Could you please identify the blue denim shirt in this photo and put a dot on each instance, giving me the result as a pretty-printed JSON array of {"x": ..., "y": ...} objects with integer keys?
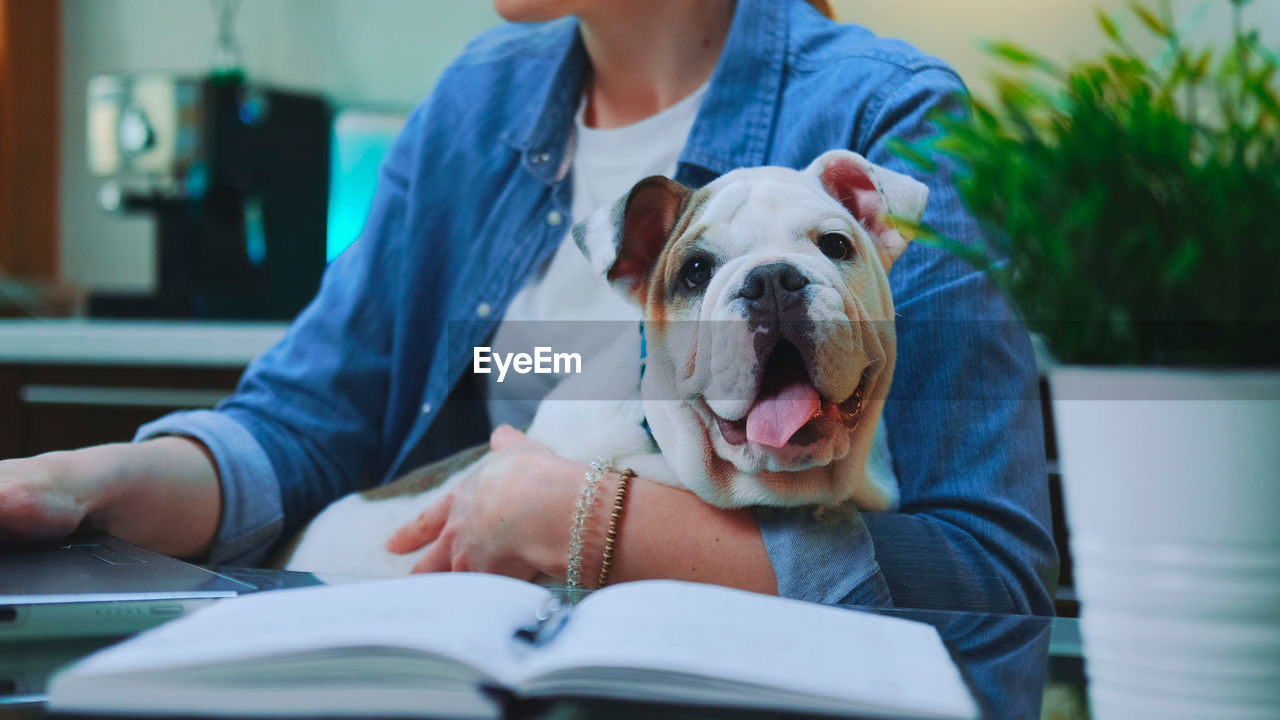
[{"x": 470, "y": 202}]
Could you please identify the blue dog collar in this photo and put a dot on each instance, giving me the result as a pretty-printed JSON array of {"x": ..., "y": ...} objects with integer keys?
[{"x": 644, "y": 354}]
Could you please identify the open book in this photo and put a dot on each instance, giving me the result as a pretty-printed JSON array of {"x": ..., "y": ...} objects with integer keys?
[{"x": 438, "y": 645}]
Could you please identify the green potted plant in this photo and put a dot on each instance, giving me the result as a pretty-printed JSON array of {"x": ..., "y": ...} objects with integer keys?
[{"x": 1132, "y": 213}]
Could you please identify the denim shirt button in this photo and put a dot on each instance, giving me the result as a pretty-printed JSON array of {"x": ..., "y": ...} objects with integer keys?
[
  {"x": 541, "y": 158},
  {"x": 554, "y": 218},
  {"x": 426, "y": 409},
  {"x": 483, "y": 310}
]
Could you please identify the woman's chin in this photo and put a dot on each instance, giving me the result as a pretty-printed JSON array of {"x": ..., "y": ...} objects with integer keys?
[{"x": 533, "y": 11}]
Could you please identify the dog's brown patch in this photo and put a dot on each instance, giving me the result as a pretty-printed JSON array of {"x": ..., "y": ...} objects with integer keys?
[
  {"x": 790, "y": 484},
  {"x": 427, "y": 476},
  {"x": 417, "y": 481},
  {"x": 718, "y": 470},
  {"x": 813, "y": 482},
  {"x": 652, "y": 210},
  {"x": 691, "y": 360},
  {"x": 665, "y": 265}
]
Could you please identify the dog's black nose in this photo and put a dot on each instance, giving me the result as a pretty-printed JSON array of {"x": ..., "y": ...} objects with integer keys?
[{"x": 778, "y": 279}]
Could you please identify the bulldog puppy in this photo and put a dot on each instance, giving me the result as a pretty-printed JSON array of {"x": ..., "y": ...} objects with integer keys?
[
  {"x": 769, "y": 324},
  {"x": 759, "y": 374}
]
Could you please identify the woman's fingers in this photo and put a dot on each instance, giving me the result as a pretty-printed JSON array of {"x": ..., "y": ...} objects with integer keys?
[
  {"x": 505, "y": 436},
  {"x": 423, "y": 529},
  {"x": 37, "y": 500},
  {"x": 438, "y": 558},
  {"x": 485, "y": 523}
]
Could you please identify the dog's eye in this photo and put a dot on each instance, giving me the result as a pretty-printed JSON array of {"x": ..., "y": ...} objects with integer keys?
[
  {"x": 696, "y": 272},
  {"x": 835, "y": 246}
]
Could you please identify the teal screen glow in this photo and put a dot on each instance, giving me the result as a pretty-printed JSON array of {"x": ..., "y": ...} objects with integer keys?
[{"x": 361, "y": 139}]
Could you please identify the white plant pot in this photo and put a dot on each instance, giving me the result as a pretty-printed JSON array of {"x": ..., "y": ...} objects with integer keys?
[{"x": 1171, "y": 481}]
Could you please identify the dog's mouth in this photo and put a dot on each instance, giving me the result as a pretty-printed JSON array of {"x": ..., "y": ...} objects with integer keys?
[{"x": 788, "y": 409}]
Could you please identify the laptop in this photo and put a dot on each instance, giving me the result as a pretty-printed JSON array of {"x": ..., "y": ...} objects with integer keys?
[{"x": 98, "y": 585}]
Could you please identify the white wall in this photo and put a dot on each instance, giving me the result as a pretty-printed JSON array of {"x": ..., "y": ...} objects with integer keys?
[
  {"x": 391, "y": 51},
  {"x": 1060, "y": 29},
  {"x": 353, "y": 51}
]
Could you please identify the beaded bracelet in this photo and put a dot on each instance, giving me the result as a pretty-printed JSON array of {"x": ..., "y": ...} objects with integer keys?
[
  {"x": 611, "y": 537},
  {"x": 581, "y": 512}
]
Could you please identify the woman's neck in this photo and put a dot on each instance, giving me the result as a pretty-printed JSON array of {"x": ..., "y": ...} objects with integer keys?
[{"x": 647, "y": 56}]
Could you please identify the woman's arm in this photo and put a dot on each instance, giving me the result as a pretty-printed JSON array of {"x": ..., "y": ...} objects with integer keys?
[
  {"x": 305, "y": 423},
  {"x": 162, "y": 494},
  {"x": 668, "y": 532},
  {"x": 964, "y": 418}
]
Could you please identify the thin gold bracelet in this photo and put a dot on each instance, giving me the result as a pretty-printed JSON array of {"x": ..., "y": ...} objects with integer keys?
[{"x": 611, "y": 537}]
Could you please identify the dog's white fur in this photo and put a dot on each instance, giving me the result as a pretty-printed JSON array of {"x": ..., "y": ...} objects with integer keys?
[{"x": 696, "y": 360}]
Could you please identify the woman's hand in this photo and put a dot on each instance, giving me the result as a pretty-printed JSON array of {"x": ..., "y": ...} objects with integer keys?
[
  {"x": 162, "y": 494},
  {"x": 40, "y": 498},
  {"x": 510, "y": 515}
]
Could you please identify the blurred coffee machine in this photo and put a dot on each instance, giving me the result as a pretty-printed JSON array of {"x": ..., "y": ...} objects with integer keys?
[{"x": 237, "y": 178}]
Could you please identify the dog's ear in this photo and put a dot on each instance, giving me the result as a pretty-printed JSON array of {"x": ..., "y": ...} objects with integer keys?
[
  {"x": 874, "y": 196},
  {"x": 623, "y": 241}
]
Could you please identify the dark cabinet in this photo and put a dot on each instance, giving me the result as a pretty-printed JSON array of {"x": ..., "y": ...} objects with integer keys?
[{"x": 58, "y": 407}]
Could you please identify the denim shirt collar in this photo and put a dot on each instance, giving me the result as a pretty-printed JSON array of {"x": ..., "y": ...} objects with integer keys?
[{"x": 733, "y": 127}]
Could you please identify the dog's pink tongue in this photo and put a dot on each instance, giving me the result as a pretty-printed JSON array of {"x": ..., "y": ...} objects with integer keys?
[{"x": 777, "y": 416}]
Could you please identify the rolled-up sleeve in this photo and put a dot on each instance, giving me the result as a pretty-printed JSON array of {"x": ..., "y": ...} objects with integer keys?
[
  {"x": 823, "y": 557},
  {"x": 251, "y": 511}
]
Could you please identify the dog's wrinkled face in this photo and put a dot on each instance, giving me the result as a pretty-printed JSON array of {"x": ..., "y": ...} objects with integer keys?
[{"x": 768, "y": 320}]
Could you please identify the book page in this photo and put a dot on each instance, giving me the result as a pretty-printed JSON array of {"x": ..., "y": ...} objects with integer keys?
[
  {"x": 463, "y": 616},
  {"x": 756, "y": 641}
]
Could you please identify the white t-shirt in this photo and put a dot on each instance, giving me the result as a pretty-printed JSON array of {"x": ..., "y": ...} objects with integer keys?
[{"x": 606, "y": 164}]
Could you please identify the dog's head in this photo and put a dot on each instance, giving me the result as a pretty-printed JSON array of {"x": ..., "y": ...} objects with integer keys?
[{"x": 768, "y": 320}]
